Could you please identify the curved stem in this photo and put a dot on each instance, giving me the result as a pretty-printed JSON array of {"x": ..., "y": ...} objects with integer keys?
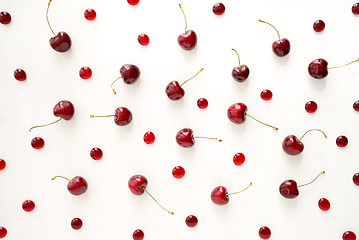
[
  {"x": 344, "y": 64},
  {"x": 113, "y": 90},
  {"x": 93, "y": 116},
  {"x": 157, "y": 202},
  {"x": 275, "y": 128},
  {"x": 312, "y": 130},
  {"x": 312, "y": 180},
  {"x": 192, "y": 77},
  {"x": 47, "y": 17},
  {"x": 45, "y": 124},
  {"x": 185, "y": 29},
  {"x": 250, "y": 184},
  {"x": 219, "y": 140},
  {"x": 62, "y": 177},
  {"x": 239, "y": 61},
  {"x": 271, "y": 26}
]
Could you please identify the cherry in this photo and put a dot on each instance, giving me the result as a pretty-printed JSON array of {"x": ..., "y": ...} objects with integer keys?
[
  {"x": 175, "y": 91},
  {"x": 280, "y": 47},
  {"x": 342, "y": 141},
  {"x": 143, "y": 39},
  {"x": 188, "y": 39},
  {"x": 129, "y": 74},
  {"x": 76, "y": 186},
  {"x": 289, "y": 188},
  {"x": 311, "y": 107},
  {"x": 122, "y": 116},
  {"x": 237, "y": 114},
  {"x": 137, "y": 185},
  {"x": 349, "y": 235},
  {"x": 356, "y": 179},
  {"x": 37, "y": 142},
  {"x": 220, "y": 195},
  {"x": 356, "y": 106},
  {"x": 3, "y": 232},
  {"x": 96, "y": 153},
  {"x": 60, "y": 42},
  {"x": 20, "y": 75},
  {"x": 133, "y": 2},
  {"x": 218, "y": 8},
  {"x": 5, "y": 17},
  {"x": 202, "y": 103},
  {"x": 178, "y": 172},
  {"x": 240, "y": 73},
  {"x": 63, "y": 109},
  {"x": 318, "y": 26},
  {"x": 264, "y": 232},
  {"x": 2, "y": 164},
  {"x": 191, "y": 221},
  {"x": 185, "y": 138},
  {"x": 85, "y": 72},
  {"x": 355, "y": 8},
  {"x": 318, "y": 68},
  {"x": 239, "y": 159},
  {"x": 324, "y": 204},
  {"x": 138, "y": 234},
  {"x": 76, "y": 223},
  {"x": 266, "y": 95},
  {"x": 28, "y": 205},
  {"x": 149, "y": 137},
  {"x": 90, "y": 14},
  {"x": 293, "y": 146}
]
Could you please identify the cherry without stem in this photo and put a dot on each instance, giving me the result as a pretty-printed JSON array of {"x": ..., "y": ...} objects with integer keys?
[
  {"x": 311, "y": 107},
  {"x": 76, "y": 223},
  {"x": 149, "y": 137},
  {"x": 264, "y": 232},
  {"x": 85, "y": 72},
  {"x": 90, "y": 14},
  {"x": 238, "y": 159},
  {"x": 2, "y": 164},
  {"x": 356, "y": 179},
  {"x": 37, "y": 142},
  {"x": 138, "y": 234},
  {"x": 356, "y": 106},
  {"x": 355, "y": 8},
  {"x": 218, "y": 8},
  {"x": 133, "y": 2},
  {"x": 28, "y": 205},
  {"x": 342, "y": 141},
  {"x": 3, "y": 232},
  {"x": 143, "y": 39},
  {"x": 349, "y": 235},
  {"x": 266, "y": 95},
  {"x": 191, "y": 221},
  {"x": 318, "y": 26},
  {"x": 96, "y": 153},
  {"x": 220, "y": 195},
  {"x": 187, "y": 40},
  {"x": 5, "y": 18},
  {"x": 202, "y": 103},
  {"x": 178, "y": 172},
  {"x": 20, "y": 75},
  {"x": 280, "y": 47},
  {"x": 324, "y": 204}
]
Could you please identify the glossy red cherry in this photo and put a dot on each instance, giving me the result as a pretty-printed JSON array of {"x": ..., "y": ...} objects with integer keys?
[
  {"x": 96, "y": 153},
  {"x": 143, "y": 39},
  {"x": 293, "y": 146},
  {"x": 237, "y": 114},
  {"x": 5, "y": 17},
  {"x": 318, "y": 68},
  {"x": 311, "y": 107},
  {"x": 324, "y": 204},
  {"x": 85, "y": 72},
  {"x": 280, "y": 47},
  {"x": 356, "y": 106},
  {"x": 191, "y": 221},
  {"x": 149, "y": 137},
  {"x": 137, "y": 185},
  {"x": 356, "y": 179},
  {"x": 239, "y": 159},
  {"x": 133, "y": 2},
  {"x": 76, "y": 186},
  {"x": 28, "y": 205},
  {"x": 188, "y": 39},
  {"x": 218, "y": 8},
  {"x": 220, "y": 195},
  {"x": 342, "y": 141},
  {"x": 90, "y": 14},
  {"x": 20, "y": 75},
  {"x": 185, "y": 138},
  {"x": 264, "y": 232},
  {"x": 289, "y": 189},
  {"x": 240, "y": 73},
  {"x": 202, "y": 103},
  {"x": 2, "y": 164},
  {"x": 76, "y": 223},
  {"x": 318, "y": 26},
  {"x": 349, "y": 235},
  {"x": 138, "y": 234},
  {"x": 37, "y": 142},
  {"x": 122, "y": 116},
  {"x": 266, "y": 95},
  {"x": 355, "y": 8},
  {"x": 3, "y": 232},
  {"x": 129, "y": 73},
  {"x": 178, "y": 172}
]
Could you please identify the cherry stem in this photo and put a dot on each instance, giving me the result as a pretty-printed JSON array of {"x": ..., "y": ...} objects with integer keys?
[
  {"x": 344, "y": 64},
  {"x": 93, "y": 116},
  {"x": 275, "y": 128},
  {"x": 45, "y": 124},
  {"x": 114, "y": 92},
  {"x": 47, "y": 17},
  {"x": 192, "y": 77},
  {"x": 271, "y": 26},
  {"x": 185, "y": 29},
  {"x": 310, "y": 131},
  {"x": 62, "y": 177},
  {"x": 157, "y": 202},
  {"x": 312, "y": 180},
  {"x": 239, "y": 61},
  {"x": 219, "y": 140},
  {"x": 250, "y": 184}
]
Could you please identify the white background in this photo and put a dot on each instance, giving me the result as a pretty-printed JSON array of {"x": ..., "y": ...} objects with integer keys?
[{"x": 108, "y": 209}]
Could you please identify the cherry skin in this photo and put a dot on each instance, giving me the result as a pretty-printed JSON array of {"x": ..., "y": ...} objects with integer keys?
[
  {"x": 264, "y": 232},
  {"x": 37, "y": 142},
  {"x": 138, "y": 234},
  {"x": 292, "y": 146},
  {"x": 237, "y": 113},
  {"x": 133, "y": 2},
  {"x": 356, "y": 106},
  {"x": 143, "y": 39},
  {"x": 96, "y": 153},
  {"x": 218, "y": 8},
  {"x": 219, "y": 195},
  {"x": 191, "y": 221},
  {"x": 85, "y": 72},
  {"x": 324, "y": 204},
  {"x": 174, "y": 91},
  {"x": 178, "y": 172},
  {"x": 76, "y": 223},
  {"x": 28, "y": 205},
  {"x": 20, "y": 75},
  {"x": 281, "y": 47},
  {"x": 130, "y": 73},
  {"x": 61, "y": 42},
  {"x": 202, "y": 103},
  {"x": 188, "y": 39},
  {"x": 318, "y": 68},
  {"x": 5, "y": 17},
  {"x": 311, "y": 107},
  {"x": 266, "y": 95},
  {"x": 238, "y": 159},
  {"x": 185, "y": 138},
  {"x": 355, "y": 8},
  {"x": 64, "y": 109},
  {"x": 356, "y": 179},
  {"x": 240, "y": 73},
  {"x": 318, "y": 26},
  {"x": 149, "y": 137},
  {"x": 3, "y": 232},
  {"x": 76, "y": 186},
  {"x": 90, "y": 14},
  {"x": 289, "y": 189},
  {"x": 2, "y": 164},
  {"x": 123, "y": 116},
  {"x": 349, "y": 235},
  {"x": 137, "y": 184},
  {"x": 342, "y": 141}
]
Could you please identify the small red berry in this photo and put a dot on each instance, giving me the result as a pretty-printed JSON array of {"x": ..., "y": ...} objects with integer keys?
[
  {"x": 191, "y": 221},
  {"x": 202, "y": 103},
  {"x": 149, "y": 137},
  {"x": 37, "y": 142},
  {"x": 239, "y": 159},
  {"x": 264, "y": 232},
  {"x": 2, "y": 164},
  {"x": 356, "y": 179},
  {"x": 28, "y": 205},
  {"x": 318, "y": 26},
  {"x": 85, "y": 72},
  {"x": 266, "y": 95},
  {"x": 90, "y": 14},
  {"x": 349, "y": 235},
  {"x": 324, "y": 204},
  {"x": 96, "y": 153},
  {"x": 5, "y": 17},
  {"x": 355, "y": 8},
  {"x": 76, "y": 223},
  {"x": 356, "y": 106},
  {"x": 178, "y": 172},
  {"x": 218, "y": 8},
  {"x": 133, "y": 2},
  {"x": 311, "y": 107},
  {"x": 138, "y": 234},
  {"x": 20, "y": 75},
  {"x": 143, "y": 39},
  {"x": 342, "y": 141},
  {"x": 3, "y": 232}
]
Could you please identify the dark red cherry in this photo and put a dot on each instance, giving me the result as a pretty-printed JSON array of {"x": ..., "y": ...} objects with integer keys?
[
  {"x": 76, "y": 186},
  {"x": 138, "y": 234},
  {"x": 293, "y": 146},
  {"x": 318, "y": 68},
  {"x": 238, "y": 159},
  {"x": 96, "y": 153},
  {"x": 61, "y": 42},
  {"x": 20, "y": 75},
  {"x": 342, "y": 141},
  {"x": 2, "y": 164},
  {"x": 349, "y": 235},
  {"x": 318, "y": 26},
  {"x": 280, "y": 47},
  {"x": 143, "y": 39},
  {"x": 85, "y": 72},
  {"x": 356, "y": 179},
  {"x": 28, "y": 205},
  {"x": 191, "y": 221},
  {"x": 122, "y": 116},
  {"x": 37, "y": 142},
  {"x": 76, "y": 223},
  {"x": 324, "y": 204},
  {"x": 149, "y": 137},
  {"x": 240, "y": 73},
  {"x": 220, "y": 195},
  {"x": 3, "y": 232},
  {"x": 202, "y": 103},
  {"x": 188, "y": 39},
  {"x": 185, "y": 138},
  {"x": 5, "y": 17},
  {"x": 218, "y": 8},
  {"x": 311, "y": 107},
  {"x": 356, "y": 106},
  {"x": 355, "y": 8},
  {"x": 266, "y": 95},
  {"x": 264, "y": 232},
  {"x": 178, "y": 172},
  {"x": 130, "y": 73},
  {"x": 174, "y": 91},
  {"x": 133, "y": 2},
  {"x": 90, "y": 14}
]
